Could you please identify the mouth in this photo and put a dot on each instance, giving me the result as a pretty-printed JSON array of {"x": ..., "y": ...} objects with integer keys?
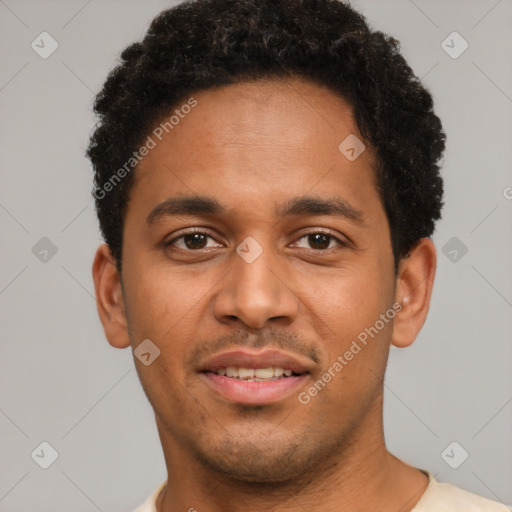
[
  {"x": 255, "y": 378},
  {"x": 256, "y": 374}
]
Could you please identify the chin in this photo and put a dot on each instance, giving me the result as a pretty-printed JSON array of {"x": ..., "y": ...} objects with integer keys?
[{"x": 267, "y": 462}]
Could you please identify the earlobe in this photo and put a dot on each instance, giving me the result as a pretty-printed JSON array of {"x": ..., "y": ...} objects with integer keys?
[
  {"x": 413, "y": 291},
  {"x": 109, "y": 298}
]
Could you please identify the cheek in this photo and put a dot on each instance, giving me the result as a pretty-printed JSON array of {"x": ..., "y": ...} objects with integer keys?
[
  {"x": 161, "y": 308},
  {"x": 349, "y": 379},
  {"x": 347, "y": 312},
  {"x": 161, "y": 300},
  {"x": 350, "y": 299}
]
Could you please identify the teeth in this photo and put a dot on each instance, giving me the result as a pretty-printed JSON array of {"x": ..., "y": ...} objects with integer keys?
[
  {"x": 245, "y": 373},
  {"x": 269, "y": 373},
  {"x": 264, "y": 373},
  {"x": 231, "y": 371}
]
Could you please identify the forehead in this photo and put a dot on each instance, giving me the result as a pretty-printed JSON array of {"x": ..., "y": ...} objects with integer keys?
[{"x": 258, "y": 142}]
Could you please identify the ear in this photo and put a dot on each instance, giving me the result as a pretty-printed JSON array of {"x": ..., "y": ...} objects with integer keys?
[
  {"x": 109, "y": 298},
  {"x": 413, "y": 291}
]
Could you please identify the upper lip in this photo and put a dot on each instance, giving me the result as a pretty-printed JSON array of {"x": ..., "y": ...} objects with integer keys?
[{"x": 257, "y": 359}]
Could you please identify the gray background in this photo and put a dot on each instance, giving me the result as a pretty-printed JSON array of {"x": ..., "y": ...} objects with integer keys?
[{"x": 62, "y": 383}]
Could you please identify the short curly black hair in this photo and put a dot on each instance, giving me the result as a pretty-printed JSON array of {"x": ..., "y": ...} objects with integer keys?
[{"x": 201, "y": 44}]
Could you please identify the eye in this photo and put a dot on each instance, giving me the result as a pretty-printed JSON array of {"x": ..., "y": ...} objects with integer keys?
[
  {"x": 197, "y": 240},
  {"x": 192, "y": 240},
  {"x": 319, "y": 240}
]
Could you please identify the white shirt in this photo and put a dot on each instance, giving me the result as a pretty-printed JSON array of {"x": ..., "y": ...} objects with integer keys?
[{"x": 438, "y": 497}]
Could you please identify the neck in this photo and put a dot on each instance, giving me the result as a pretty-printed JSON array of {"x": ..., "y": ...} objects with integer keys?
[{"x": 359, "y": 476}]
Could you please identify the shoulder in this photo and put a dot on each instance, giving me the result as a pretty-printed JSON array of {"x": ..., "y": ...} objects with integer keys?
[
  {"x": 444, "y": 497},
  {"x": 150, "y": 504}
]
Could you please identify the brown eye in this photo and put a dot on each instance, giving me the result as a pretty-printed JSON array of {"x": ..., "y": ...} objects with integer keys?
[
  {"x": 320, "y": 241},
  {"x": 195, "y": 241},
  {"x": 191, "y": 241}
]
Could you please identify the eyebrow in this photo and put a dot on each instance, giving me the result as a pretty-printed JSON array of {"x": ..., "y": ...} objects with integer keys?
[
  {"x": 306, "y": 205},
  {"x": 193, "y": 205},
  {"x": 310, "y": 205}
]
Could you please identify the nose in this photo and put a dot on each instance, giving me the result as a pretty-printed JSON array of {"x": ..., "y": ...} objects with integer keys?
[{"x": 256, "y": 293}]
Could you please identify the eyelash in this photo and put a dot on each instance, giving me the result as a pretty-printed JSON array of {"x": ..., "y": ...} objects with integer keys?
[{"x": 341, "y": 243}]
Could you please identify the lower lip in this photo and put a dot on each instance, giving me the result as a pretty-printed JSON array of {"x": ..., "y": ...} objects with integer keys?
[{"x": 254, "y": 392}]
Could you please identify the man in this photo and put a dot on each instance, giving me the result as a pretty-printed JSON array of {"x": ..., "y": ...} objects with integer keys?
[{"x": 267, "y": 182}]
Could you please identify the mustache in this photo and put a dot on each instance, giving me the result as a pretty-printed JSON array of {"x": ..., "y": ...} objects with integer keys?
[{"x": 261, "y": 339}]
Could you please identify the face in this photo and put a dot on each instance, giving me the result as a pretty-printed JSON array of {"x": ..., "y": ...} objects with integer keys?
[{"x": 251, "y": 241}]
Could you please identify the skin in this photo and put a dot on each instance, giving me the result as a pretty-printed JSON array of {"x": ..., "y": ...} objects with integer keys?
[{"x": 252, "y": 147}]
